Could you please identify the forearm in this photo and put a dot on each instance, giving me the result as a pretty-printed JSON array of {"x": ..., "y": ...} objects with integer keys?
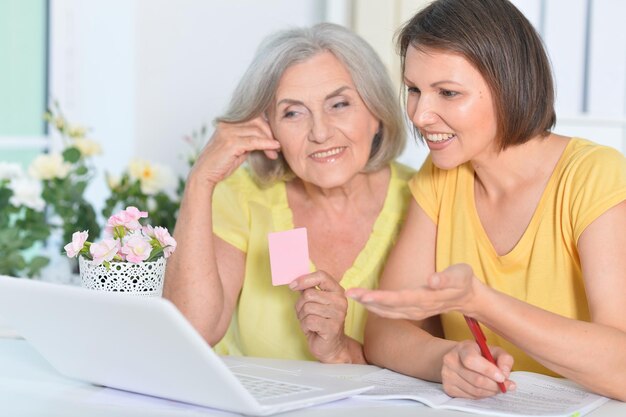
[
  {"x": 404, "y": 347},
  {"x": 192, "y": 278},
  {"x": 592, "y": 354}
]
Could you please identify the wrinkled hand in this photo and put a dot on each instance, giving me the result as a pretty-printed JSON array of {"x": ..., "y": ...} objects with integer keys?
[
  {"x": 229, "y": 146},
  {"x": 466, "y": 373},
  {"x": 321, "y": 309},
  {"x": 450, "y": 290}
]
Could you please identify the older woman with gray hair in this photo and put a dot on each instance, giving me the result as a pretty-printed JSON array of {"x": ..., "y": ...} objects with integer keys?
[{"x": 317, "y": 119}]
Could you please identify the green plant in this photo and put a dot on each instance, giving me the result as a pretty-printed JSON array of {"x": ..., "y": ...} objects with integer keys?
[
  {"x": 22, "y": 223},
  {"x": 144, "y": 184},
  {"x": 65, "y": 176}
]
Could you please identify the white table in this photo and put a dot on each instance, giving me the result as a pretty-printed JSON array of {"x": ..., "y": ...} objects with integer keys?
[{"x": 29, "y": 386}]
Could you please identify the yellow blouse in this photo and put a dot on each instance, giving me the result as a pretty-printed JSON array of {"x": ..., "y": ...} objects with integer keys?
[
  {"x": 264, "y": 323},
  {"x": 543, "y": 269}
]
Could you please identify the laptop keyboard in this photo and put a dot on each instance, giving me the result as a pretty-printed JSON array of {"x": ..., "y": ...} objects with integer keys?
[{"x": 263, "y": 389}]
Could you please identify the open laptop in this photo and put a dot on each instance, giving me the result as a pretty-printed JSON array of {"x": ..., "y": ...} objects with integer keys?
[{"x": 145, "y": 345}]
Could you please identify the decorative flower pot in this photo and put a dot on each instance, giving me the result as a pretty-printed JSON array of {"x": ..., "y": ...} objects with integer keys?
[{"x": 144, "y": 279}]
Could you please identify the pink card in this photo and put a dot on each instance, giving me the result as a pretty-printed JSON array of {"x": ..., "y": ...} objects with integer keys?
[{"x": 289, "y": 255}]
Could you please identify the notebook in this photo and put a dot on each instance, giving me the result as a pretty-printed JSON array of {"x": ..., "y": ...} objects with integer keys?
[{"x": 145, "y": 345}]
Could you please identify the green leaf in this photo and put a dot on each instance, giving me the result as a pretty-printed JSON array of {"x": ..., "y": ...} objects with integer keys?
[
  {"x": 36, "y": 265},
  {"x": 5, "y": 196},
  {"x": 71, "y": 154},
  {"x": 82, "y": 170},
  {"x": 155, "y": 254}
]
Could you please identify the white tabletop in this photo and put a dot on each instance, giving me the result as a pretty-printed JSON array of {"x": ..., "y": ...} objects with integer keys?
[{"x": 29, "y": 386}]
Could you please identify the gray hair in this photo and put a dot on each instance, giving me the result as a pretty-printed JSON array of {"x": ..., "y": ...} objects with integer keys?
[{"x": 256, "y": 89}]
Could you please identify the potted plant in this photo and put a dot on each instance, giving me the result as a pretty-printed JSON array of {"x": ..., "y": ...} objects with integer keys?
[{"x": 131, "y": 258}]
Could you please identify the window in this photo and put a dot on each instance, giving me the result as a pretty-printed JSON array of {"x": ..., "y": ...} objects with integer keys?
[{"x": 23, "y": 78}]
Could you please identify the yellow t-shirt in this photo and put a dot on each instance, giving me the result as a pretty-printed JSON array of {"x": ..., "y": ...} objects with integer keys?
[
  {"x": 543, "y": 269},
  {"x": 264, "y": 323}
]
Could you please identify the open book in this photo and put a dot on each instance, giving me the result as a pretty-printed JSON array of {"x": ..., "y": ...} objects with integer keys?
[{"x": 536, "y": 395}]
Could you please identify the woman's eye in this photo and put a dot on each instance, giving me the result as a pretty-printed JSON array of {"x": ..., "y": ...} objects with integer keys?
[
  {"x": 289, "y": 114},
  {"x": 341, "y": 105},
  {"x": 448, "y": 93},
  {"x": 412, "y": 90}
]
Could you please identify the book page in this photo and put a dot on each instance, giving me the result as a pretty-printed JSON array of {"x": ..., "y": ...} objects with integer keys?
[
  {"x": 536, "y": 395},
  {"x": 392, "y": 385}
]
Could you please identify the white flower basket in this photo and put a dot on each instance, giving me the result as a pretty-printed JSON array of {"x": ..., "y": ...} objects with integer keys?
[{"x": 144, "y": 279}]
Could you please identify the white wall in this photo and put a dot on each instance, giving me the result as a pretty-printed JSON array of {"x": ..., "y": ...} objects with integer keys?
[
  {"x": 92, "y": 75},
  {"x": 144, "y": 73},
  {"x": 586, "y": 42},
  {"x": 190, "y": 55}
]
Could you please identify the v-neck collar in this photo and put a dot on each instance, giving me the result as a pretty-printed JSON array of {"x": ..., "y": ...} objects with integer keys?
[
  {"x": 381, "y": 231},
  {"x": 531, "y": 229}
]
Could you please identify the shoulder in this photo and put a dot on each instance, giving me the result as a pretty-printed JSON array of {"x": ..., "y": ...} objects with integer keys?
[
  {"x": 586, "y": 150},
  {"x": 398, "y": 194},
  {"x": 586, "y": 160},
  {"x": 592, "y": 180},
  {"x": 401, "y": 172},
  {"x": 243, "y": 184},
  {"x": 241, "y": 179}
]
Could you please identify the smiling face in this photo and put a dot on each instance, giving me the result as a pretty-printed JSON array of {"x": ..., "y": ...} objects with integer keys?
[
  {"x": 324, "y": 127},
  {"x": 450, "y": 103}
]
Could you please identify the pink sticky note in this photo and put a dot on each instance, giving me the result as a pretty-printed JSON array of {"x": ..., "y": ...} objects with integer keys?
[{"x": 289, "y": 255}]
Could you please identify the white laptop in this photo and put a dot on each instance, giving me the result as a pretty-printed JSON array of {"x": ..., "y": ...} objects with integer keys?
[{"x": 145, "y": 345}]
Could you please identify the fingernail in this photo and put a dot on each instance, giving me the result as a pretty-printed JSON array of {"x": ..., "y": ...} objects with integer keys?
[
  {"x": 499, "y": 377},
  {"x": 512, "y": 386},
  {"x": 293, "y": 285}
]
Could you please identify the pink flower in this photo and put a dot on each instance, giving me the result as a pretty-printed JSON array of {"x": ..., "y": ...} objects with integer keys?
[
  {"x": 148, "y": 231},
  {"x": 127, "y": 240},
  {"x": 128, "y": 219},
  {"x": 137, "y": 249},
  {"x": 105, "y": 250},
  {"x": 135, "y": 213},
  {"x": 166, "y": 240},
  {"x": 78, "y": 241}
]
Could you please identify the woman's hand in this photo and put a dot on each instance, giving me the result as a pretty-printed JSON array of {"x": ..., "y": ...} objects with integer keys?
[
  {"x": 321, "y": 309},
  {"x": 465, "y": 373},
  {"x": 229, "y": 146},
  {"x": 450, "y": 290}
]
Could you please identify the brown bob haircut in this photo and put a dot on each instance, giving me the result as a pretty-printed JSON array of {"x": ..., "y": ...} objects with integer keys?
[{"x": 503, "y": 46}]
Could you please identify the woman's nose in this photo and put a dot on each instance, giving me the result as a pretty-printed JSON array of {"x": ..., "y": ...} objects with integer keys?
[
  {"x": 422, "y": 114},
  {"x": 321, "y": 128}
]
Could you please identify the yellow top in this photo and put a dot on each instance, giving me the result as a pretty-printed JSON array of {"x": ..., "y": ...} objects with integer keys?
[
  {"x": 543, "y": 269},
  {"x": 264, "y": 323}
]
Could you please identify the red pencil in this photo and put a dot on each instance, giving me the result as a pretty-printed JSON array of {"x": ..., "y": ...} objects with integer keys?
[{"x": 480, "y": 338}]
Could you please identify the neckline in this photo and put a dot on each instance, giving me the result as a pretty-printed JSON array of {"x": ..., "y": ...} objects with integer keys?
[
  {"x": 518, "y": 249},
  {"x": 283, "y": 219}
]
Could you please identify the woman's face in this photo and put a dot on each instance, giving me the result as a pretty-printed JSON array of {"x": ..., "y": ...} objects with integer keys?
[
  {"x": 324, "y": 127},
  {"x": 450, "y": 103}
]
